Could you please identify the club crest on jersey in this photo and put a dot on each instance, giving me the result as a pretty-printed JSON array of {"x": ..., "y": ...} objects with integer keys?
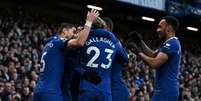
[
  {"x": 63, "y": 39},
  {"x": 167, "y": 44},
  {"x": 50, "y": 45}
]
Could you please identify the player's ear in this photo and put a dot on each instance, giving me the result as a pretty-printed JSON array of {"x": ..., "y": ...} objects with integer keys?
[{"x": 64, "y": 29}]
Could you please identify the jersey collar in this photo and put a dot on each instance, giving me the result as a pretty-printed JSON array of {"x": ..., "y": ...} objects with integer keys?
[{"x": 171, "y": 39}]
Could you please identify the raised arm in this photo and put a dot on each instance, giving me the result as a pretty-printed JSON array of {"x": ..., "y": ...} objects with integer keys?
[
  {"x": 148, "y": 51},
  {"x": 83, "y": 34},
  {"x": 137, "y": 39}
]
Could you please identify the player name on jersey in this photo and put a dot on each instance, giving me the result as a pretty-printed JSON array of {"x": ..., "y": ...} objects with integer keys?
[{"x": 100, "y": 39}]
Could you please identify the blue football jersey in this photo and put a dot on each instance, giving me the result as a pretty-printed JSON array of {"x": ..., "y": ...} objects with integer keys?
[
  {"x": 116, "y": 67},
  {"x": 97, "y": 55},
  {"x": 52, "y": 68},
  {"x": 166, "y": 81},
  {"x": 119, "y": 89}
]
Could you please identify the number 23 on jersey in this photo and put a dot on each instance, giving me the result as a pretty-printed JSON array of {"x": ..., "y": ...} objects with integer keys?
[{"x": 91, "y": 62}]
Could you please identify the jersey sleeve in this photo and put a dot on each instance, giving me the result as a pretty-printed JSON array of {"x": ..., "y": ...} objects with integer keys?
[
  {"x": 121, "y": 53},
  {"x": 62, "y": 43},
  {"x": 170, "y": 48}
]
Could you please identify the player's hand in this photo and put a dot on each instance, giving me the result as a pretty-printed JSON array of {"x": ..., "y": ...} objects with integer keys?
[
  {"x": 92, "y": 15},
  {"x": 135, "y": 37},
  {"x": 92, "y": 77},
  {"x": 133, "y": 47}
]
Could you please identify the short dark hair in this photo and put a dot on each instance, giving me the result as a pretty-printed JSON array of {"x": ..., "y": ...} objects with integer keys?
[
  {"x": 173, "y": 21},
  {"x": 65, "y": 25},
  {"x": 109, "y": 23}
]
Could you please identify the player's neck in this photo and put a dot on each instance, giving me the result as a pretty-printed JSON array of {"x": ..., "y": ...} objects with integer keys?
[{"x": 169, "y": 36}]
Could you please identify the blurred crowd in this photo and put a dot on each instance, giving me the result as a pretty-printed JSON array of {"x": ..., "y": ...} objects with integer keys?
[{"x": 20, "y": 48}]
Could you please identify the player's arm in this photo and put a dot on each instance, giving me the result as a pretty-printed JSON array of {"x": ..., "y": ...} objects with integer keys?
[
  {"x": 121, "y": 53},
  {"x": 164, "y": 53},
  {"x": 148, "y": 51},
  {"x": 154, "y": 62},
  {"x": 83, "y": 34},
  {"x": 137, "y": 39}
]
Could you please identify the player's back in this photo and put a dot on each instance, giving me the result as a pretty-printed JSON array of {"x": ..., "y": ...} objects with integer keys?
[
  {"x": 167, "y": 75},
  {"x": 98, "y": 55},
  {"x": 52, "y": 67}
]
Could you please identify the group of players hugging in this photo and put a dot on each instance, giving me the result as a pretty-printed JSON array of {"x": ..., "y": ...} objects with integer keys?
[{"x": 84, "y": 63}]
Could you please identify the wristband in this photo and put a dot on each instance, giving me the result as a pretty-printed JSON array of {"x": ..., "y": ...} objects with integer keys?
[{"x": 88, "y": 24}]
